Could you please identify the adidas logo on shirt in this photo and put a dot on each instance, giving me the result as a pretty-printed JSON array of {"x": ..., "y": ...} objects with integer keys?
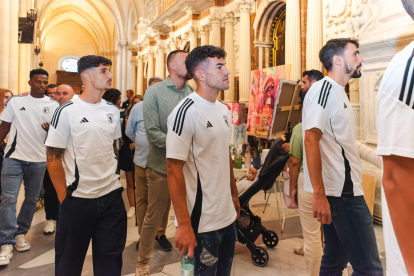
[
  {"x": 84, "y": 120},
  {"x": 209, "y": 124},
  {"x": 22, "y": 108},
  {"x": 345, "y": 106}
]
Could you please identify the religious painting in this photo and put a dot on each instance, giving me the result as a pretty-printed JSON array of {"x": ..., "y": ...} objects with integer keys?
[{"x": 264, "y": 92}]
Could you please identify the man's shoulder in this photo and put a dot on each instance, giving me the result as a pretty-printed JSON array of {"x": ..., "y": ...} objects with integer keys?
[{"x": 321, "y": 92}]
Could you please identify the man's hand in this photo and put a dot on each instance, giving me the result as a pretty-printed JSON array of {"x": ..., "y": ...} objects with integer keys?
[
  {"x": 185, "y": 239},
  {"x": 236, "y": 203},
  {"x": 286, "y": 147},
  {"x": 46, "y": 126},
  {"x": 132, "y": 146},
  {"x": 294, "y": 196},
  {"x": 321, "y": 208}
]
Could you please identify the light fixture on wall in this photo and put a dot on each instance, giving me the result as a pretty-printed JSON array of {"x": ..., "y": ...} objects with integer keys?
[
  {"x": 40, "y": 64},
  {"x": 32, "y": 15},
  {"x": 37, "y": 50}
]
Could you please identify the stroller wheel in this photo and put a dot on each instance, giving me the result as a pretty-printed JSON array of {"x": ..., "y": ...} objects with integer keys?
[
  {"x": 260, "y": 257},
  {"x": 270, "y": 239}
]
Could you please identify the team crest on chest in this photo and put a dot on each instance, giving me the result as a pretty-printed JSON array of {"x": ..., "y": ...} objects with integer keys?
[
  {"x": 110, "y": 117},
  {"x": 226, "y": 120},
  {"x": 46, "y": 110}
]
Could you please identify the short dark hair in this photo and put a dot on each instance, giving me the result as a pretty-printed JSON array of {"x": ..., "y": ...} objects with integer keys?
[
  {"x": 334, "y": 47},
  {"x": 171, "y": 56},
  {"x": 91, "y": 61},
  {"x": 313, "y": 75},
  {"x": 52, "y": 85},
  {"x": 111, "y": 95},
  {"x": 38, "y": 72},
  {"x": 151, "y": 80},
  {"x": 201, "y": 54},
  {"x": 409, "y": 7},
  {"x": 133, "y": 93}
]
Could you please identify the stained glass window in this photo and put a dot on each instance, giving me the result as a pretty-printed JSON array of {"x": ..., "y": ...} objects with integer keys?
[{"x": 70, "y": 65}]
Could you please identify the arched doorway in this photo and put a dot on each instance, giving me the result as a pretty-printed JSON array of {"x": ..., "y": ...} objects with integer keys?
[{"x": 277, "y": 55}]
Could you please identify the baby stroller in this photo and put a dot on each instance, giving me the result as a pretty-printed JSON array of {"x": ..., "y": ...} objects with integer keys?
[{"x": 249, "y": 226}]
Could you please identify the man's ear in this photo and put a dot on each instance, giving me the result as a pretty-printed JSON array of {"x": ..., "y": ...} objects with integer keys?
[{"x": 337, "y": 60}]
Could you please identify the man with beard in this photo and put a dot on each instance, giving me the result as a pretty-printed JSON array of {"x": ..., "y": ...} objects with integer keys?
[
  {"x": 332, "y": 166},
  {"x": 312, "y": 248},
  {"x": 160, "y": 99}
]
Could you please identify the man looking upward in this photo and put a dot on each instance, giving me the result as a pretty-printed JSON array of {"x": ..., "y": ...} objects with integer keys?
[
  {"x": 332, "y": 166},
  {"x": 27, "y": 119},
  {"x": 130, "y": 94},
  {"x": 200, "y": 168},
  {"x": 82, "y": 136}
]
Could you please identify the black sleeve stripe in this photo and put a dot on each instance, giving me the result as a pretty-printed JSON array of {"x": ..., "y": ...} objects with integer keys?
[
  {"x": 320, "y": 95},
  {"x": 325, "y": 99},
  {"x": 407, "y": 69},
  {"x": 58, "y": 111},
  {"x": 179, "y": 112},
  {"x": 182, "y": 122},
  {"x": 410, "y": 89}
]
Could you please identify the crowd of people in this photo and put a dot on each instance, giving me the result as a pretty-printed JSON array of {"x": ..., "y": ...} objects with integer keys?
[{"x": 173, "y": 146}]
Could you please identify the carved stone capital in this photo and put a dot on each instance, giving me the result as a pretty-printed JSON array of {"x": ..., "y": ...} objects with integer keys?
[
  {"x": 193, "y": 31},
  {"x": 245, "y": 6},
  {"x": 215, "y": 20},
  {"x": 204, "y": 31},
  {"x": 228, "y": 19},
  {"x": 123, "y": 43},
  {"x": 160, "y": 49}
]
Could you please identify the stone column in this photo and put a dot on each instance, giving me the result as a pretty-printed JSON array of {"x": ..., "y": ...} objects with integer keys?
[
  {"x": 122, "y": 77},
  {"x": 14, "y": 47},
  {"x": 293, "y": 54},
  {"x": 140, "y": 76},
  {"x": 133, "y": 83},
  {"x": 245, "y": 63},
  {"x": 4, "y": 42},
  {"x": 159, "y": 66},
  {"x": 22, "y": 54},
  {"x": 204, "y": 33},
  {"x": 150, "y": 72},
  {"x": 193, "y": 44},
  {"x": 314, "y": 31},
  {"x": 118, "y": 54},
  {"x": 128, "y": 71},
  {"x": 215, "y": 20},
  {"x": 229, "y": 48}
]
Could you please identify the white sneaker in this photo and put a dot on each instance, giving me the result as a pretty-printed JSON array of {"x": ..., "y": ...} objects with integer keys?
[
  {"x": 299, "y": 250},
  {"x": 22, "y": 244},
  {"x": 6, "y": 253},
  {"x": 50, "y": 227},
  {"x": 131, "y": 212}
]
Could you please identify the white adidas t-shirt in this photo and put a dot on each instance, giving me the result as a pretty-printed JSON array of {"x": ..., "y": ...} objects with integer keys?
[
  {"x": 198, "y": 133},
  {"x": 327, "y": 108},
  {"x": 395, "y": 117},
  {"x": 87, "y": 132},
  {"x": 27, "y": 137}
]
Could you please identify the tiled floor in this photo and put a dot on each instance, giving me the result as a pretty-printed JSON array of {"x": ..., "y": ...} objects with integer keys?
[{"x": 39, "y": 260}]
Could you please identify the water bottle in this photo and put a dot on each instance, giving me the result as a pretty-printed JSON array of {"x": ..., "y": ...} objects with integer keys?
[{"x": 187, "y": 265}]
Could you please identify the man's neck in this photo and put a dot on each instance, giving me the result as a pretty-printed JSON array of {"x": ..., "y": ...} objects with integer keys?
[
  {"x": 178, "y": 81},
  {"x": 38, "y": 95},
  {"x": 91, "y": 96},
  {"x": 339, "y": 77},
  {"x": 207, "y": 94}
]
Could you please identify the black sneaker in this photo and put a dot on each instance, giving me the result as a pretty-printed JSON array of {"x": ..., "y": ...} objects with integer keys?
[{"x": 164, "y": 243}]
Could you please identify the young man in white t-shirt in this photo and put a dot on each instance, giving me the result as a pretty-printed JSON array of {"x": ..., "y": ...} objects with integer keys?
[
  {"x": 82, "y": 137},
  {"x": 27, "y": 119},
  {"x": 332, "y": 166},
  {"x": 199, "y": 167},
  {"x": 396, "y": 145}
]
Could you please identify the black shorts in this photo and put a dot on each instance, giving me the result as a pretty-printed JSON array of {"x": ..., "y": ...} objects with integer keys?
[{"x": 126, "y": 158}]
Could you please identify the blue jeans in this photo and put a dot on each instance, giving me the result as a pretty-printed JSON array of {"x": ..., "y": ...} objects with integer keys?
[
  {"x": 350, "y": 237},
  {"x": 215, "y": 251},
  {"x": 12, "y": 174}
]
